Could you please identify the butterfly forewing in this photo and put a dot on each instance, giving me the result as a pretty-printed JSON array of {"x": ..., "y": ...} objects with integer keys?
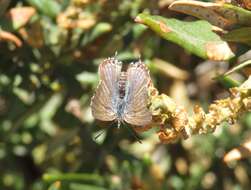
[
  {"x": 136, "y": 111},
  {"x": 104, "y": 101}
]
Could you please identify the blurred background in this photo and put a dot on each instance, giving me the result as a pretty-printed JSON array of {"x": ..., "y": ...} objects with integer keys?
[{"x": 49, "y": 55}]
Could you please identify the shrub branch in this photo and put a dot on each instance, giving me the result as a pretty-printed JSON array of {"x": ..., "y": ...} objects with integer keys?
[{"x": 174, "y": 122}]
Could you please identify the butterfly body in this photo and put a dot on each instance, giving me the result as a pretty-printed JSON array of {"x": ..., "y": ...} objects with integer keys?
[
  {"x": 122, "y": 84},
  {"x": 122, "y": 96}
]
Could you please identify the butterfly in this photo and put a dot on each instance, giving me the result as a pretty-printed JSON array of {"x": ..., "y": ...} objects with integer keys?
[{"x": 122, "y": 96}]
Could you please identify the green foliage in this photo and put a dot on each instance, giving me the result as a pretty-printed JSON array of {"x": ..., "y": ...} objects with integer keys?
[
  {"x": 241, "y": 35},
  {"x": 49, "y": 60},
  {"x": 197, "y": 37},
  {"x": 48, "y": 8},
  {"x": 223, "y": 15}
]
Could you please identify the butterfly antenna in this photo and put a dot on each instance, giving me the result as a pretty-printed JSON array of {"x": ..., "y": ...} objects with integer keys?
[{"x": 133, "y": 133}]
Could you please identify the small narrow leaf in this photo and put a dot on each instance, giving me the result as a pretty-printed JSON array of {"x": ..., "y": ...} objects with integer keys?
[
  {"x": 47, "y": 7},
  {"x": 241, "y": 35},
  {"x": 16, "y": 18},
  {"x": 83, "y": 177},
  {"x": 55, "y": 186},
  {"x": 197, "y": 37},
  {"x": 99, "y": 30},
  {"x": 238, "y": 67},
  {"x": 77, "y": 186},
  {"x": 243, "y": 151},
  {"x": 9, "y": 37},
  {"x": 227, "y": 81},
  {"x": 170, "y": 70},
  {"x": 20, "y": 16},
  {"x": 86, "y": 78}
]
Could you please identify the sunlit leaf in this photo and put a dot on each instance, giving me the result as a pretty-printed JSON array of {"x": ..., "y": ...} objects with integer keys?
[
  {"x": 97, "y": 31},
  {"x": 47, "y": 112},
  {"x": 100, "y": 29},
  {"x": 170, "y": 70},
  {"x": 47, "y": 7},
  {"x": 24, "y": 95},
  {"x": 196, "y": 37},
  {"x": 86, "y": 78},
  {"x": 223, "y": 15},
  {"x": 70, "y": 177},
  {"x": 9, "y": 37},
  {"x": 243, "y": 151},
  {"x": 19, "y": 16},
  {"x": 73, "y": 18},
  {"x": 16, "y": 18},
  {"x": 55, "y": 186}
]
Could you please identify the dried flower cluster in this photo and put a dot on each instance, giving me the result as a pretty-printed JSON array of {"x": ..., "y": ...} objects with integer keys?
[
  {"x": 75, "y": 17},
  {"x": 174, "y": 121}
]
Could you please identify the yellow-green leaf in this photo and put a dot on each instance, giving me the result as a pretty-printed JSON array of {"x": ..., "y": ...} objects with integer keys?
[{"x": 196, "y": 37}]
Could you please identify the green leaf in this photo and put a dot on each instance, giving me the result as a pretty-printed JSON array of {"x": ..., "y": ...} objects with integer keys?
[
  {"x": 24, "y": 95},
  {"x": 196, "y": 37},
  {"x": 84, "y": 177},
  {"x": 47, "y": 7},
  {"x": 55, "y": 186},
  {"x": 241, "y": 35},
  {"x": 86, "y": 78},
  {"x": 16, "y": 18},
  {"x": 77, "y": 186},
  {"x": 227, "y": 81},
  {"x": 223, "y": 15},
  {"x": 99, "y": 30}
]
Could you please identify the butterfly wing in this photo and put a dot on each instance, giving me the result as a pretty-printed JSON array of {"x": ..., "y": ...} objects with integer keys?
[
  {"x": 103, "y": 103},
  {"x": 136, "y": 111}
]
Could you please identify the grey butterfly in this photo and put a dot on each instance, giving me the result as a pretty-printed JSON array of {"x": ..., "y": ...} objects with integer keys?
[{"x": 122, "y": 96}]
